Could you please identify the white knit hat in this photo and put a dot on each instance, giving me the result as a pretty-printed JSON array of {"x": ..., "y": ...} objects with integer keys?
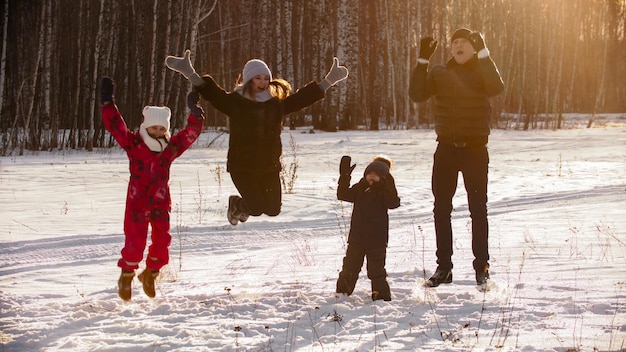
[
  {"x": 254, "y": 68},
  {"x": 156, "y": 116}
]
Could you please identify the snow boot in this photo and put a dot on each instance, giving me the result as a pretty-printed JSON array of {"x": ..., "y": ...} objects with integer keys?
[
  {"x": 243, "y": 216},
  {"x": 380, "y": 290},
  {"x": 346, "y": 282},
  {"x": 242, "y": 211},
  {"x": 441, "y": 276},
  {"x": 125, "y": 284},
  {"x": 147, "y": 279},
  {"x": 482, "y": 276},
  {"x": 233, "y": 213}
]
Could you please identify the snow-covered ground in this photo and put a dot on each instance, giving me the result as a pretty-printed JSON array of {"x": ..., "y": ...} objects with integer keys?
[{"x": 557, "y": 205}]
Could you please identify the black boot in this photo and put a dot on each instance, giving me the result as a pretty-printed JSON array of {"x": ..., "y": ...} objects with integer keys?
[
  {"x": 482, "y": 275},
  {"x": 380, "y": 289},
  {"x": 441, "y": 276},
  {"x": 346, "y": 282}
]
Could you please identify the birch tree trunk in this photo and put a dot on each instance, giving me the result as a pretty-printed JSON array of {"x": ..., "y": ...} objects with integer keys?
[
  {"x": 297, "y": 43},
  {"x": 407, "y": 63},
  {"x": 168, "y": 35},
  {"x": 600, "y": 90},
  {"x": 109, "y": 57},
  {"x": 31, "y": 127},
  {"x": 578, "y": 26},
  {"x": 3, "y": 72},
  {"x": 556, "y": 98},
  {"x": 3, "y": 54},
  {"x": 371, "y": 22},
  {"x": 390, "y": 66},
  {"x": 547, "y": 77},
  {"x": 286, "y": 50},
  {"x": 347, "y": 52},
  {"x": 50, "y": 52},
  {"x": 76, "y": 108},
  {"x": 525, "y": 76},
  {"x": 94, "y": 78},
  {"x": 153, "y": 53},
  {"x": 512, "y": 55}
]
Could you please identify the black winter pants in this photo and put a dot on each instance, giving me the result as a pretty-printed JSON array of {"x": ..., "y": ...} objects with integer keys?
[
  {"x": 352, "y": 263},
  {"x": 473, "y": 163},
  {"x": 261, "y": 192},
  {"x": 376, "y": 256}
]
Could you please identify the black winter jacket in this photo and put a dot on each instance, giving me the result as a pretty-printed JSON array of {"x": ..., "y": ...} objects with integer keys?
[
  {"x": 462, "y": 109},
  {"x": 255, "y": 127},
  {"x": 369, "y": 225}
]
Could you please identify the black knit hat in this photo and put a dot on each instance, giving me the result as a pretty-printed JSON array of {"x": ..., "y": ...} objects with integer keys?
[
  {"x": 378, "y": 166},
  {"x": 461, "y": 33}
]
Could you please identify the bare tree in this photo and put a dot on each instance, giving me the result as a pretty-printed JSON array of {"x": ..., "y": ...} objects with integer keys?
[
  {"x": 3, "y": 54},
  {"x": 600, "y": 90},
  {"x": 555, "y": 56}
]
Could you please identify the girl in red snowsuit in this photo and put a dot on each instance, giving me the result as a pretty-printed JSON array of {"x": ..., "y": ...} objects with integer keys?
[{"x": 148, "y": 200}]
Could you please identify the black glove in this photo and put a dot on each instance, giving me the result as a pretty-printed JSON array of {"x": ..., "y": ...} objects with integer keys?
[
  {"x": 477, "y": 40},
  {"x": 344, "y": 167},
  {"x": 107, "y": 86},
  {"x": 389, "y": 183},
  {"x": 192, "y": 102},
  {"x": 427, "y": 47}
]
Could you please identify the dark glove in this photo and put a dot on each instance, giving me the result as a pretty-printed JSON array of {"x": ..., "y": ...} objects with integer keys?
[
  {"x": 427, "y": 47},
  {"x": 107, "y": 86},
  {"x": 192, "y": 102},
  {"x": 477, "y": 40},
  {"x": 344, "y": 167},
  {"x": 389, "y": 183}
]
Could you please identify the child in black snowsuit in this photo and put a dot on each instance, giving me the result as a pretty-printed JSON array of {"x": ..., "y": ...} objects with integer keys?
[{"x": 372, "y": 196}]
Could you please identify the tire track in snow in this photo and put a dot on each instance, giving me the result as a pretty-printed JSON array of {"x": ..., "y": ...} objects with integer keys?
[{"x": 23, "y": 256}]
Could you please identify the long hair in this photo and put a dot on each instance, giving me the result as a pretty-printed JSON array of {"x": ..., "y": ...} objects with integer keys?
[{"x": 278, "y": 87}]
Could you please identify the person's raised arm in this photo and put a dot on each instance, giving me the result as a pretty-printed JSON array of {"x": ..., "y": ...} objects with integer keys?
[
  {"x": 345, "y": 171},
  {"x": 493, "y": 81},
  {"x": 419, "y": 87}
]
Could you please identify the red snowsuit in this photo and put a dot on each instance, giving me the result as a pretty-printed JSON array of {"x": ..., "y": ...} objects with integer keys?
[{"x": 148, "y": 199}]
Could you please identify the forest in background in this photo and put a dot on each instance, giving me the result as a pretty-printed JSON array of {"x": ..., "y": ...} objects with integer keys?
[{"x": 555, "y": 57}]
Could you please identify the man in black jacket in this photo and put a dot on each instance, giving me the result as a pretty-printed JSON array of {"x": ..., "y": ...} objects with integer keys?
[{"x": 461, "y": 88}]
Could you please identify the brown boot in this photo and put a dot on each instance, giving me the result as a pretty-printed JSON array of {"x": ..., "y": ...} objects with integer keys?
[
  {"x": 147, "y": 279},
  {"x": 125, "y": 284},
  {"x": 346, "y": 282}
]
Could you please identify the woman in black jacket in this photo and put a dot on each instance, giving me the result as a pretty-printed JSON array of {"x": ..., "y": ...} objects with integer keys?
[
  {"x": 372, "y": 196},
  {"x": 256, "y": 108}
]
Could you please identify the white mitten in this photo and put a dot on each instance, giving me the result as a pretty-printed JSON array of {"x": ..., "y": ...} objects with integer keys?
[
  {"x": 336, "y": 74},
  {"x": 183, "y": 66}
]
